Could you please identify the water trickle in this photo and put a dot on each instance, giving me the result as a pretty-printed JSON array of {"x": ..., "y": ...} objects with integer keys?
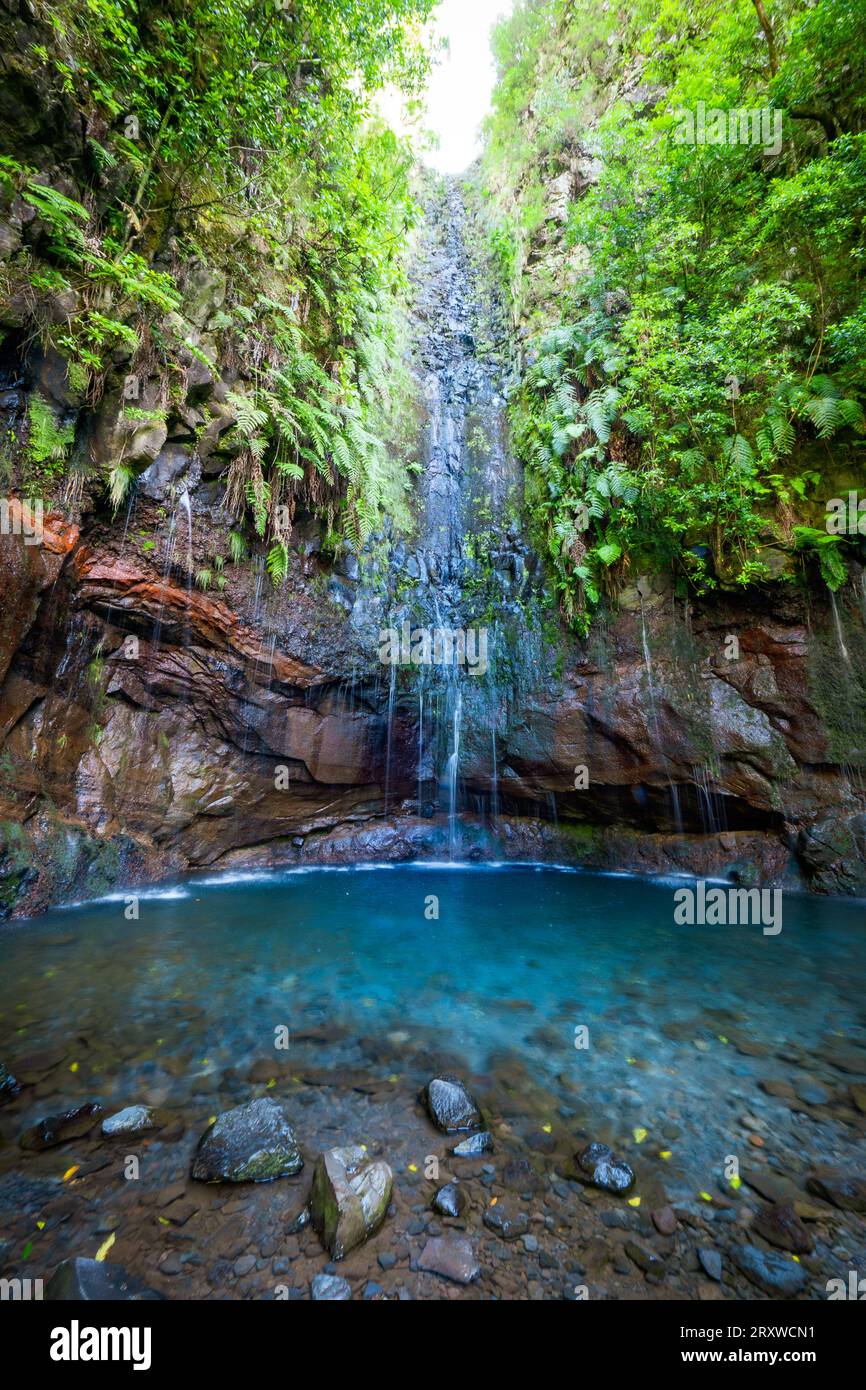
[{"x": 840, "y": 638}]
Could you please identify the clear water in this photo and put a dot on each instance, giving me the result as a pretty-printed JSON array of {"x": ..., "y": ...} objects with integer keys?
[{"x": 684, "y": 1022}]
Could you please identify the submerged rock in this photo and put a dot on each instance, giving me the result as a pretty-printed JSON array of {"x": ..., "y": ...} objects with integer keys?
[
  {"x": 711, "y": 1262},
  {"x": 502, "y": 1218},
  {"x": 135, "y": 1119},
  {"x": 252, "y": 1143},
  {"x": 449, "y": 1104},
  {"x": 846, "y": 1190},
  {"x": 450, "y": 1200},
  {"x": 59, "y": 1129},
  {"x": 9, "y": 1087},
  {"x": 775, "y": 1274},
  {"x": 781, "y": 1226},
  {"x": 452, "y": 1257},
  {"x": 604, "y": 1169},
  {"x": 94, "y": 1281},
  {"x": 349, "y": 1198},
  {"x": 475, "y": 1145},
  {"x": 330, "y": 1288}
]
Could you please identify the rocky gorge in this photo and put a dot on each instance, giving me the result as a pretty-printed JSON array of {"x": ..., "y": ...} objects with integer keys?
[
  {"x": 147, "y": 723},
  {"x": 412, "y": 582}
]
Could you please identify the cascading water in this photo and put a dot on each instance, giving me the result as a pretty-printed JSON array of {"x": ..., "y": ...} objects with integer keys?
[{"x": 467, "y": 559}]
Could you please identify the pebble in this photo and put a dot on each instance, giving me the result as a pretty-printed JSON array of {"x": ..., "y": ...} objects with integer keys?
[{"x": 330, "y": 1288}]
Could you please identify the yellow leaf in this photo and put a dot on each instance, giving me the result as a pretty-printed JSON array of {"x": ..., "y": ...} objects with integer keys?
[
  {"x": 73, "y": 1066},
  {"x": 634, "y": 1201},
  {"x": 104, "y": 1248},
  {"x": 393, "y": 1078},
  {"x": 40, "y": 1225},
  {"x": 69, "y": 1171},
  {"x": 548, "y": 1129},
  {"x": 665, "y": 1153},
  {"x": 722, "y": 1038},
  {"x": 736, "y": 1183},
  {"x": 271, "y": 1083},
  {"x": 639, "y": 1134},
  {"x": 705, "y": 1196},
  {"x": 631, "y": 1061},
  {"x": 413, "y": 1167}
]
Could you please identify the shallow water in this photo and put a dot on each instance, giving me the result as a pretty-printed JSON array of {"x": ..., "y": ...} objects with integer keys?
[{"x": 683, "y": 1022}]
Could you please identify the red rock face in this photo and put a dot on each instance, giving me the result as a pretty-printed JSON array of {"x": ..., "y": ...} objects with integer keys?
[{"x": 202, "y": 742}]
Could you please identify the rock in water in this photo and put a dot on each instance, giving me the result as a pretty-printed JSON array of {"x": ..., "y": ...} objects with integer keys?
[
  {"x": 330, "y": 1288},
  {"x": 711, "y": 1262},
  {"x": 58, "y": 1129},
  {"x": 845, "y": 1190},
  {"x": 9, "y": 1087},
  {"x": 349, "y": 1198},
  {"x": 781, "y": 1226},
  {"x": 474, "y": 1146},
  {"x": 452, "y": 1257},
  {"x": 94, "y": 1281},
  {"x": 135, "y": 1119},
  {"x": 449, "y": 1104},
  {"x": 775, "y": 1274},
  {"x": 503, "y": 1218},
  {"x": 450, "y": 1200},
  {"x": 252, "y": 1143},
  {"x": 604, "y": 1169}
]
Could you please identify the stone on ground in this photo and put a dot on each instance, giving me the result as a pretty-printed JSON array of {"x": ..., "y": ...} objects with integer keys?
[
  {"x": 349, "y": 1198},
  {"x": 252, "y": 1143}
]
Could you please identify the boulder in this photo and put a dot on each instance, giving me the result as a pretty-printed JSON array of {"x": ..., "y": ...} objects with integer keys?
[
  {"x": 451, "y": 1257},
  {"x": 603, "y": 1169},
  {"x": 449, "y": 1104},
  {"x": 450, "y": 1200},
  {"x": 59, "y": 1129},
  {"x": 781, "y": 1226},
  {"x": 775, "y": 1274},
  {"x": 330, "y": 1288},
  {"x": 349, "y": 1198},
  {"x": 135, "y": 1119},
  {"x": 252, "y": 1143}
]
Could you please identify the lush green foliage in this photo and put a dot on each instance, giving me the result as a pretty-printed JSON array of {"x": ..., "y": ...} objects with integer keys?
[
  {"x": 679, "y": 395},
  {"x": 242, "y": 134}
]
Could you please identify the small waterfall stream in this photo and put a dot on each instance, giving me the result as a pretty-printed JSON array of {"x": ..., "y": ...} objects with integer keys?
[{"x": 462, "y": 576}]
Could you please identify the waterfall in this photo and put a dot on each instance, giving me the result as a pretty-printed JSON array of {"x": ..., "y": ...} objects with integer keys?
[{"x": 463, "y": 576}]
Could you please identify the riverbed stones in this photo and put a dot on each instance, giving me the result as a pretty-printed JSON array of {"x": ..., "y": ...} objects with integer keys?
[
  {"x": 844, "y": 1189},
  {"x": 710, "y": 1262},
  {"x": 349, "y": 1198},
  {"x": 774, "y": 1273},
  {"x": 252, "y": 1143},
  {"x": 93, "y": 1281},
  {"x": 600, "y": 1166},
  {"x": 449, "y": 1104},
  {"x": 135, "y": 1119},
  {"x": 474, "y": 1146},
  {"x": 451, "y": 1257},
  {"x": 59, "y": 1129},
  {"x": 780, "y": 1225},
  {"x": 450, "y": 1200},
  {"x": 330, "y": 1288},
  {"x": 505, "y": 1220}
]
